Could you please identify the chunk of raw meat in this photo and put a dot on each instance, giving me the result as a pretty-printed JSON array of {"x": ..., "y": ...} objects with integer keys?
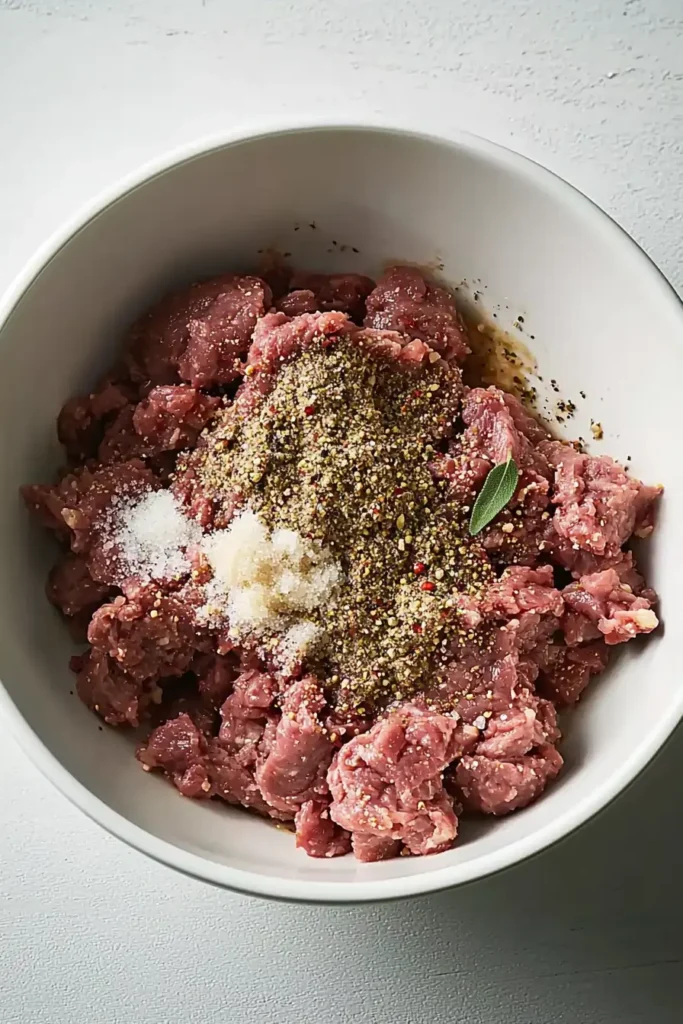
[
  {"x": 220, "y": 336},
  {"x": 179, "y": 749},
  {"x": 388, "y": 781},
  {"x": 114, "y": 695},
  {"x": 345, "y": 293},
  {"x": 297, "y": 302},
  {"x": 515, "y": 732},
  {"x": 71, "y": 588},
  {"x": 294, "y": 770},
  {"x": 215, "y": 677},
  {"x": 498, "y": 787},
  {"x": 148, "y": 636},
  {"x": 198, "y": 333},
  {"x": 277, "y": 337},
  {"x": 369, "y": 848},
  {"x": 316, "y": 833},
  {"x": 81, "y": 500},
  {"x": 172, "y": 416},
  {"x": 601, "y": 604},
  {"x": 598, "y": 505},
  {"x": 521, "y": 589},
  {"x": 80, "y": 423},
  {"x": 566, "y": 671},
  {"x": 403, "y": 301},
  {"x": 394, "y": 347}
]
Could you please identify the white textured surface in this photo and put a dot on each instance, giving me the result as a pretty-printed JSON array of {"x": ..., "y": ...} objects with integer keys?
[{"x": 590, "y": 931}]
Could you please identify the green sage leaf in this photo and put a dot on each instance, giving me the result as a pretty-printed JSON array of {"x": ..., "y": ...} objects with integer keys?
[{"x": 499, "y": 486}]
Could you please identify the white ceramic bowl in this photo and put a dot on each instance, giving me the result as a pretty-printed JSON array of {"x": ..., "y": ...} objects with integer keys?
[{"x": 604, "y": 320}]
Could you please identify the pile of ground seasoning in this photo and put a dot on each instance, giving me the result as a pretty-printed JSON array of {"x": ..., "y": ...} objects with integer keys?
[{"x": 340, "y": 451}]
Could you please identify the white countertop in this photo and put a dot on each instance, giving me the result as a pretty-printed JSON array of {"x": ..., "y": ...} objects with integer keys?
[{"x": 588, "y": 933}]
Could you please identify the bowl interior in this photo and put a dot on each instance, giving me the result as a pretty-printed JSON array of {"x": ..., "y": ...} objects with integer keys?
[{"x": 603, "y": 321}]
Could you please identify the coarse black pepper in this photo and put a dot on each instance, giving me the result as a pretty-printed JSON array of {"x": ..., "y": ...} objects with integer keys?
[{"x": 340, "y": 450}]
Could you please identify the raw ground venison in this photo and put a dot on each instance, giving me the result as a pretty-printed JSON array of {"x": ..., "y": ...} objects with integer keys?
[
  {"x": 483, "y": 737},
  {"x": 403, "y": 301}
]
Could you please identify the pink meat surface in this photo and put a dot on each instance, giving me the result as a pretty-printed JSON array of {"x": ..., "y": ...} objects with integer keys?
[
  {"x": 172, "y": 416},
  {"x": 278, "y": 337},
  {"x": 499, "y": 787},
  {"x": 598, "y": 505},
  {"x": 199, "y": 333},
  {"x": 343, "y": 292},
  {"x": 316, "y": 833},
  {"x": 388, "y": 782},
  {"x": 79, "y": 504},
  {"x": 82, "y": 420},
  {"x": 403, "y": 301},
  {"x": 71, "y": 588},
  {"x": 114, "y": 695},
  {"x": 295, "y": 769},
  {"x": 147, "y": 636},
  {"x": 521, "y": 589},
  {"x": 496, "y": 427},
  {"x": 566, "y": 671},
  {"x": 601, "y": 604}
]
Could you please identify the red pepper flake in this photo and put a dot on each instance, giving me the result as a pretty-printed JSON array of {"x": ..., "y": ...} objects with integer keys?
[
  {"x": 428, "y": 585},
  {"x": 419, "y": 568},
  {"x": 309, "y": 410},
  {"x": 417, "y": 628},
  {"x": 417, "y": 393}
]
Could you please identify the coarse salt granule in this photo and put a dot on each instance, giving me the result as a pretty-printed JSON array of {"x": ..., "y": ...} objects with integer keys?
[{"x": 152, "y": 536}]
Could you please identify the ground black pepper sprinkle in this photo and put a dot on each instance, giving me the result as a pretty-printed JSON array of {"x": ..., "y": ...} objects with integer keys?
[{"x": 340, "y": 451}]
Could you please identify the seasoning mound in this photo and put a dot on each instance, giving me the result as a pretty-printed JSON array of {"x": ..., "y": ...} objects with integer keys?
[{"x": 340, "y": 452}]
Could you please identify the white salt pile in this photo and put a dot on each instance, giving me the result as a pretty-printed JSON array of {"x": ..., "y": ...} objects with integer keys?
[{"x": 152, "y": 536}]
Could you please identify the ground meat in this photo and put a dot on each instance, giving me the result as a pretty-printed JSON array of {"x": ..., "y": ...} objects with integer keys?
[
  {"x": 296, "y": 766},
  {"x": 81, "y": 421},
  {"x": 368, "y": 848},
  {"x": 497, "y": 427},
  {"x": 225, "y": 722},
  {"x": 172, "y": 416},
  {"x": 345, "y": 293},
  {"x": 114, "y": 695},
  {"x": 601, "y": 604},
  {"x": 297, "y": 302},
  {"x": 394, "y": 347},
  {"x": 249, "y": 723},
  {"x": 82, "y": 500},
  {"x": 598, "y": 504},
  {"x": 317, "y": 834},
  {"x": 179, "y": 749},
  {"x": 498, "y": 787},
  {"x": 513, "y": 733},
  {"x": 71, "y": 588},
  {"x": 218, "y": 338},
  {"x": 566, "y": 671},
  {"x": 198, "y": 333},
  {"x": 403, "y": 301},
  {"x": 148, "y": 636},
  {"x": 388, "y": 783},
  {"x": 120, "y": 442},
  {"x": 521, "y": 589},
  {"x": 277, "y": 337},
  {"x": 215, "y": 677}
]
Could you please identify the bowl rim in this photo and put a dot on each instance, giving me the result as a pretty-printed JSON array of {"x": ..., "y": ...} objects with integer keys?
[{"x": 368, "y": 889}]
